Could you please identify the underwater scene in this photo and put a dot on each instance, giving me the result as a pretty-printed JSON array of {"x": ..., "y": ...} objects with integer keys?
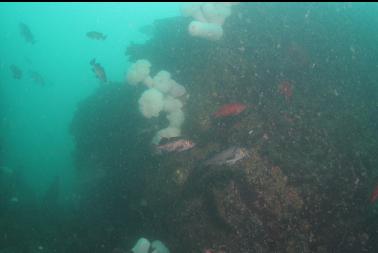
[{"x": 210, "y": 127}]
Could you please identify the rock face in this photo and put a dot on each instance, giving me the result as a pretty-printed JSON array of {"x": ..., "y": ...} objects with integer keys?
[{"x": 304, "y": 186}]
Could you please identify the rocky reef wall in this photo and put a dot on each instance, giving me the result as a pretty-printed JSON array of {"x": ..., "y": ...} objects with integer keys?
[{"x": 306, "y": 184}]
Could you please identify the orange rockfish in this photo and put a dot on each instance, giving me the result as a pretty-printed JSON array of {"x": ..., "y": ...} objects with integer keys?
[
  {"x": 99, "y": 71},
  {"x": 230, "y": 110},
  {"x": 174, "y": 146}
]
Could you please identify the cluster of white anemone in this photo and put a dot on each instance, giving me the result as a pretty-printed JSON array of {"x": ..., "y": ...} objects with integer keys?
[
  {"x": 209, "y": 18},
  {"x": 145, "y": 246},
  {"x": 162, "y": 95}
]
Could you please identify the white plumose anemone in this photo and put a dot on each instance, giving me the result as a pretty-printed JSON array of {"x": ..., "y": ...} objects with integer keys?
[
  {"x": 208, "y": 18},
  {"x": 151, "y": 103},
  {"x": 142, "y": 246},
  {"x": 216, "y": 13},
  {"x": 193, "y": 10},
  {"x": 176, "y": 119},
  {"x": 161, "y": 96},
  {"x": 172, "y": 104},
  {"x": 163, "y": 81},
  {"x": 138, "y": 72},
  {"x": 159, "y": 247},
  {"x": 149, "y": 82},
  {"x": 177, "y": 90},
  {"x": 205, "y": 30}
]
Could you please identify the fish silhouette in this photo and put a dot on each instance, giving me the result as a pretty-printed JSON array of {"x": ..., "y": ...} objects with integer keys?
[
  {"x": 96, "y": 35},
  {"x": 37, "y": 78},
  {"x": 229, "y": 156},
  {"x": 99, "y": 71},
  {"x": 26, "y": 33},
  {"x": 16, "y": 72}
]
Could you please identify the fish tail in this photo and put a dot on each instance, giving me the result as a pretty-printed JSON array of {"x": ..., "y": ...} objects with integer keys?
[{"x": 93, "y": 61}]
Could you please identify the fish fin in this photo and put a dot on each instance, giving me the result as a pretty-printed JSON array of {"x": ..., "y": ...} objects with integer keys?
[{"x": 105, "y": 36}]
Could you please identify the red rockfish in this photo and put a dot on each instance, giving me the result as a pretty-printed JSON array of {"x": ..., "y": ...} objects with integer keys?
[
  {"x": 286, "y": 89},
  {"x": 229, "y": 110},
  {"x": 374, "y": 195},
  {"x": 174, "y": 146}
]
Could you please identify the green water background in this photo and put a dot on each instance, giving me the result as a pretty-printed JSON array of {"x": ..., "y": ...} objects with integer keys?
[{"x": 35, "y": 119}]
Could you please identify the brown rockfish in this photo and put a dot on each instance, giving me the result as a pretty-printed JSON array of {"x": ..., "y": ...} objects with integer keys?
[
  {"x": 26, "y": 33},
  {"x": 99, "y": 71},
  {"x": 16, "y": 72},
  {"x": 229, "y": 156},
  {"x": 174, "y": 146},
  {"x": 96, "y": 35}
]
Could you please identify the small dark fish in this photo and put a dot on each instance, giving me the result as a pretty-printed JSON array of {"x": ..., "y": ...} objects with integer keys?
[
  {"x": 96, "y": 35},
  {"x": 16, "y": 72},
  {"x": 26, "y": 33},
  {"x": 37, "y": 78},
  {"x": 99, "y": 71},
  {"x": 175, "y": 146},
  {"x": 229, "y": 156}
]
